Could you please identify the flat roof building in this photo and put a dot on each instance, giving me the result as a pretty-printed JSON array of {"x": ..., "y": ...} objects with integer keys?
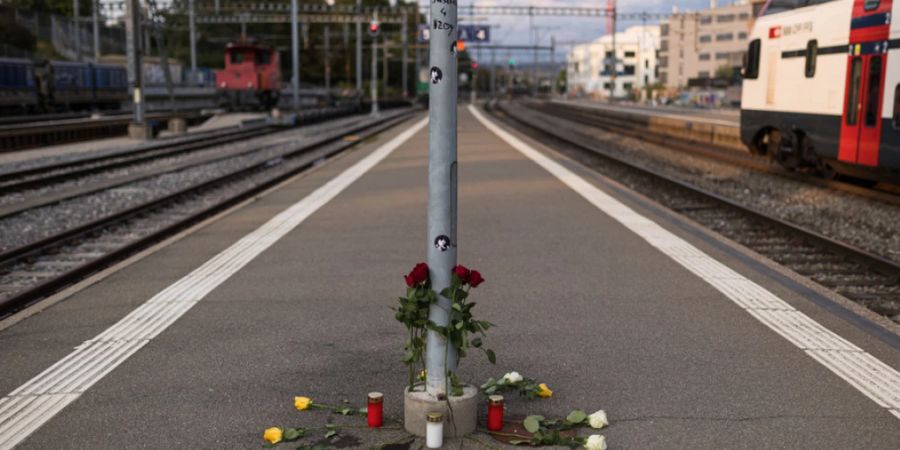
[{"x": 589, "y": 65}]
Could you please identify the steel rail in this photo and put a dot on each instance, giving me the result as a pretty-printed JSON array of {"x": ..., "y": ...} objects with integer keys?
[{"x": 330, "y": 145}]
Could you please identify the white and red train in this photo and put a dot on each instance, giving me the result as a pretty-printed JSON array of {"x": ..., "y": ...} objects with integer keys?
[{"x": 822, "y": 86}]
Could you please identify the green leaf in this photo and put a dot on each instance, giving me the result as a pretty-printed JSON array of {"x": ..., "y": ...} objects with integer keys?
[
  {"x": 330, "y": 434},
  {"x": 330, "y": 426},
  {"x": 364, "y": 410},
  {"x": 492, "y": 357},
  {"x": 476, "y": 342},
  {"x": 519, "y": 441},
  {"x": 292, "y": 434},
  {"x": 345, "y": 411},
  {"x": 576, "y": 416},
  {"x": 532, "y": 423},
  {"x": 457, "y": 307}
]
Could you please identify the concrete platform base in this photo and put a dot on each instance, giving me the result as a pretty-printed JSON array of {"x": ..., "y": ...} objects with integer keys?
[
  {"x": 417, "y": 404},
  {"x": 177, "y": 125},
  {"x": 140, "y": 131}
]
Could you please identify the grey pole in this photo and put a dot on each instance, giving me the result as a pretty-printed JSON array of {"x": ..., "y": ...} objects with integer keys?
[
  {"x": 405, "y": 43},
  {"x": 327, "y": 59},
  {"x": 216, "y": 6},
  {"x": 133, "y": 51},
  {"x": 442, "y": 245},
  {"x": 359, "y": 58},
  {"x": 95, "y": 13},
  {"x": 373, "y": 85},
  {"x": 76, "y": 23},
  {"x": 385, "y": 73},
  {"x": 493, "y": 73},
  {"x": 193, "y": 38},
  {"x": 295, "y": 57},
  {"x": 553, "y": 72},
  {"x": 615, "y": 61}
]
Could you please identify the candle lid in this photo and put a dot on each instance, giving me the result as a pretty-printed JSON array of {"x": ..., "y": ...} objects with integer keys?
[
  {"x": 434, "y": 417},
  {"x": 376, "y": 397},
  {"x": 495, "y": 399}
]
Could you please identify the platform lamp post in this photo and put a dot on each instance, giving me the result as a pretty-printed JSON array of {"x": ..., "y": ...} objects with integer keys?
[
  {"x": 95, "y": 16},
  {"x": 374, "y": 30},
  {"x": 133, "y": 56},
  {"x": 359, "y": 57},
  {"x": 75, "y": 7},
  {"x": 442, "y": 245},
  {"x": 295, "y": 57},
  {"x": 193, "y": 38}
]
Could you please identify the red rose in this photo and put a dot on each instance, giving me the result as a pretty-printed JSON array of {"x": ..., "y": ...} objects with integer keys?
[
  {"x": 475, "y": 278},
  {"x": 461, "y": 272},
  {"x": 419, "y": 274}
]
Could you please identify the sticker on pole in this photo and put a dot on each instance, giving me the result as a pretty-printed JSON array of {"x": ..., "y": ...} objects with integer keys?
[
  {"x": 424, "y": 33},
  {"x": 436, "y": 75},
  {"x": 442, "y": 243}
]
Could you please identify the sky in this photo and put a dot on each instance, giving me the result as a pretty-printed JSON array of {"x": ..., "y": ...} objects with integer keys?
[{"x": 514, "y": 30}]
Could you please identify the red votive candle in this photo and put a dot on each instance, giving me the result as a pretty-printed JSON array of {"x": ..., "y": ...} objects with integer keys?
[
  {"x": 375, "y": 411},
  {"x": 495, "y": 413}
]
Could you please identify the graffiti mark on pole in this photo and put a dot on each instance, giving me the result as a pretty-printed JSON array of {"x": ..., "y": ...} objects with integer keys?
[
  {"x": 453, "y": 48},
  {"x": 441, "y": 25}
]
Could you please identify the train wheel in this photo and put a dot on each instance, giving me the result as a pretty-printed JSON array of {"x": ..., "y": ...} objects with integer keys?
[{"x": 775, "y": 150}]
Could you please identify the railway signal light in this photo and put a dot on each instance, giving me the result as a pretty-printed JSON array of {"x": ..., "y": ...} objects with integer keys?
[
  {"x": 374, "y": 28},
  {"x": 474, "y": 65},
  {"x": 460, "y": 45}
]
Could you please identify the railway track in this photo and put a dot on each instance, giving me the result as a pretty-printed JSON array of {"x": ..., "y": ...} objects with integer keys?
[
  {"x": 603, "y": 120},
  {"x": 40, "y": 268},
  {"x": 863, "y": 277}
]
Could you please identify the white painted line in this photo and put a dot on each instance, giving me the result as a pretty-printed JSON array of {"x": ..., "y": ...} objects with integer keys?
[
  {"x": 34, "y": 403},
  {"x": 875, "y": 379}
]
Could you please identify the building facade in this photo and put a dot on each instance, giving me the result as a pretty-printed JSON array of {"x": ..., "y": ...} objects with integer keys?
[
  {"x": 700, "y": 44},
  {"x": 589, "y": 65}
]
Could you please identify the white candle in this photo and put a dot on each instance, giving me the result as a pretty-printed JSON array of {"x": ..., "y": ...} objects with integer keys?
[{"x": 434, "y": 430}]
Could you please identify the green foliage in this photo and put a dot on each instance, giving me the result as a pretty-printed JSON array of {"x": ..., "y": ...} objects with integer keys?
[
  {"x": 527, "y": 387},
  {"x": 548, "y": 431},
  {"x": 413, "y": 314}
]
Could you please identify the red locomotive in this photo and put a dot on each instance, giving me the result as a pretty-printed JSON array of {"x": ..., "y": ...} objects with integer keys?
[{"x": 252, "y": 75}]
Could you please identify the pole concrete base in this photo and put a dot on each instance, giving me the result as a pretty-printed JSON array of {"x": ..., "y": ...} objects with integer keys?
[
  {"x": 140, "y": 131},
  {"x": 177, "y": 125},
  {"x": 418, "y": 403}
]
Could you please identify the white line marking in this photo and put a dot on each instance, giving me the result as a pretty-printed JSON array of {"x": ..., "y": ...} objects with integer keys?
[
  {"x": 875, "y": 379},
  {"x": 34, "y": 403}
]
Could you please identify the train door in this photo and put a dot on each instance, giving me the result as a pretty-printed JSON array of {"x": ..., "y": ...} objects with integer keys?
[{"x": 866, "y": 68}]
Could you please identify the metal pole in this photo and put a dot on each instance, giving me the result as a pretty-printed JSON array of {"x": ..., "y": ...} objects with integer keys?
[
  {"x": 385, "y": 74},
  {"x": 493, "y": 73},
  {"x": 327, "y": 59},
  {"x": 534, "y": 54},
  {"x": 346, "y": 49},
  {"x": 133, "y": 53},
  {"x": 216, "y": 6},
  {"x": 95, "y": 13},
  {"x": 442, "y": 246},
  {"x": 404, "y": 39},
  {"x": 553, "y": 72},
  {"x": 373, "y": 85},
  {"x": 193, "y": 38},
  {"x": 295, "y": 57},
  {"x": 615, "y": 62},
  {"x": 75, "y": 8},
  {"x": 359, "y": 58}
]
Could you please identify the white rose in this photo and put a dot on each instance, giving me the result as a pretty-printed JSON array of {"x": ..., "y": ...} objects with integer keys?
[
  {"x": 598, "y": 419},
  {"x": 512, "y": 377},
  {"x": 595, "y": 442}
]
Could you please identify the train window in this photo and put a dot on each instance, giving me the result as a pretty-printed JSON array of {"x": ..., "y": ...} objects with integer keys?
[
  {"x": 871, "y": 4},
  {"x": 812, "y": 52},
  {"x": 897, "y": 106},
  {"x": 873, "y": 99},
  {"x": 237, "y": 56},
  {"x": 751, "y": 65},
  {"x": 853, "y": 94},
  {"x": 263, "y": 58}
]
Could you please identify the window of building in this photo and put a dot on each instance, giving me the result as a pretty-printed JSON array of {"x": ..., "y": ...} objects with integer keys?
[
  {"x": 646, "y": 79},
  {"x": 629, "y": 54},
  {"x": 609, "y": 54},
  {"x": 606, "y": 85},
  {"x": 664, "y": 78},
  {"x": 743, "y": 16},
  {"x": 812, "y": 53},
  {"x": 704, "y": 57},
  {"x": 721, "y": 55},
  {"x": 853, "y": 95},
  {"x": 742, "y": 35},
  {"x": 725, "y": 18},
  {"x": 664, "y": 45},
  {"x": 664, "y": 29},
  {"x": 627, "y": 86},
  {"x": 751, "y": 60},
  {"x": 703, "y": 74},
  {"x": 629, "y": 70},
  {"x": 705, "y": 20},
  {"x": 664, "y": 60},
  {"x": 646, "y": 63},
  {"x": 706, "y": 38},
  {"x": 873, "y": 100},
  {"x": 871, "y": 4},
  {"x": 897, "y": 107},
  {"x": 724, "y": 37}
]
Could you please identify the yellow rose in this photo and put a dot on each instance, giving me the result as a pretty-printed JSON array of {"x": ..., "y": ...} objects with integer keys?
[
  {"x": 423, "y": 374},
  {"x": 302, "y": 403},
  {"x": 544, "y": 391},
  {"x": 272, "y": 435}
]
